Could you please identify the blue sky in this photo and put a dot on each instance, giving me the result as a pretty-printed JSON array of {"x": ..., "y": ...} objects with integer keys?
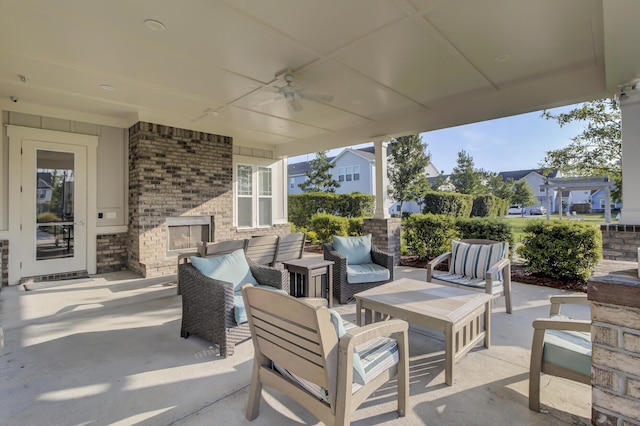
[{"x": 512, "y": 143}]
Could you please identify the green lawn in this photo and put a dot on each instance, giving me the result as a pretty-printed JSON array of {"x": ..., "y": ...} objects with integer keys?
[{"x": 518, "y": 223}]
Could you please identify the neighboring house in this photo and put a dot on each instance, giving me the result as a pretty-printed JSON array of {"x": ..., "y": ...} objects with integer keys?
[
  {"x": 355, "y": 170},
  {"x": 598, "y": 202},
  {"x": 535, "y": 178}
]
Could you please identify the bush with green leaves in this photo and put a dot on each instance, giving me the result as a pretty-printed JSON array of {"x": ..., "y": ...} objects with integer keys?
[
  {"x": 356, "y": 226},
  {"x": 429, "y": 235},
  {"x": 486, "y": 229},
  {"x": 327, "y": 225},
  {"x": 488, "y": 206},
  {"x": 449, "y": 203},
  {"x": 302, "y": 207},
  {"x": 561, "y": 249}
]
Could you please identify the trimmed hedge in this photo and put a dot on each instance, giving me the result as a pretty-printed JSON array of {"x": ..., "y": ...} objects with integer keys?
[
  {"x": 302, "y": 207},
  {"x": 449, "y": 203},
  {"x": 488, "y": 206},
  {"x": 429, "y": 235},
  {"x": 486, "y": 229},
  {"x": 561, "y": 249}
]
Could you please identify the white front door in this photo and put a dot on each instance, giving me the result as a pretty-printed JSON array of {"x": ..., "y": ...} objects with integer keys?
[{"x": 53, "y": 208}]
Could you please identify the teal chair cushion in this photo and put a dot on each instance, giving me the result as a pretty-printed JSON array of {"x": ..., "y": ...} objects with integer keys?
[
  {"x": 366, "y": 273},
  {"x": 239, "y": 312},
  {"x": 232, "y": 267},
  {"x": 568, "y": 349},
  {"x": 357, "y": 250}
]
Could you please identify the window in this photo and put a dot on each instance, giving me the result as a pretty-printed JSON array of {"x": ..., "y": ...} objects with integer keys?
[
  {"x": 349, "y": 174},
  {"x": 356, "y": 172},
  {"x": 292, "y": 182},
  {"x": 254, "y": 192},
  {"x": 341, "y": 174}
]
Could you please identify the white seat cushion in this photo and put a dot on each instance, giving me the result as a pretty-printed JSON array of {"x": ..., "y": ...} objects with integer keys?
[
  {"x": 568, "y": 349},
  {"x": 366, "y": 273}
]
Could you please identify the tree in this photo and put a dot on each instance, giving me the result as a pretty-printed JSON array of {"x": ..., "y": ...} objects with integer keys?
[
  {"x": 522, "y": 194},
  {"x": 319, "y": 179},
  {"x": 597, "y": 150},
  {"x": 407, "y": 163},
  {"x": 465, "y": 177},
  {"x": 498, "y": 187}
]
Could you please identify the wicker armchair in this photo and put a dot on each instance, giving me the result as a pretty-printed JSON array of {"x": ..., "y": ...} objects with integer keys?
[
  {"x": 343, "y": 290},
  {"x": 207, "y": 304}
]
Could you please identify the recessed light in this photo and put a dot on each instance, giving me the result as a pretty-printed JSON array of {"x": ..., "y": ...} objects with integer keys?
[
  {"x": 107, "y": 87},
  {"x": 154, "y": 25},
  {"x": 23, "y": 78},
  {"x": 502, "y": 58}
]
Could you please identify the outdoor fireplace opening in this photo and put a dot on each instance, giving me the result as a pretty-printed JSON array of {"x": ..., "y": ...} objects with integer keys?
[{"x": 184, "y": 233}]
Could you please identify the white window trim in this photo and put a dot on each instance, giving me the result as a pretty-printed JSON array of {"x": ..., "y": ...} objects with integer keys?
[{"x": 254, "y": 196}]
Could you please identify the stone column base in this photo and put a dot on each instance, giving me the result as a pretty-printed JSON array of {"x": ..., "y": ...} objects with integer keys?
[{"x": 385, "y": 235}]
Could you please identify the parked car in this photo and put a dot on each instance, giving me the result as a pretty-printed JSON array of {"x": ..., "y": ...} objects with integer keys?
[
  {"x": 538, "y": 210},
  {"x": 514, "y": 210}
]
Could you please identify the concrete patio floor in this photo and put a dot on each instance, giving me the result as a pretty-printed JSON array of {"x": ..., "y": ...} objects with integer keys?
[{"x": 107, "y": 351}]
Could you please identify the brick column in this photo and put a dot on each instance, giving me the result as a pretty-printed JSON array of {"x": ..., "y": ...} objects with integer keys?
[
  {"x": 385, "y": 235},
  {"x": 620, "y": 242},
  {"x": 614, "y": 290}
]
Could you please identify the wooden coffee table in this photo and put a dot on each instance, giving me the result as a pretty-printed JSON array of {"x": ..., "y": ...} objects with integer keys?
[{"x": 463, "y": 316}]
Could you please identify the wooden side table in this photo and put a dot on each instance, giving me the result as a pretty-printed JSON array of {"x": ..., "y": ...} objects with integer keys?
[{"x": 311, "y": 277}]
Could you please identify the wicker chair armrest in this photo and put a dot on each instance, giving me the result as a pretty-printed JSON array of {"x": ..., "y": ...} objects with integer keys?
[
  {"x": 339, "y": 260},
  {"x": 558, "y": 301},
  {"x": 267, "y": 275},
  {"x": 203, "y": 294},
  {"x": 381, "y": 258},
  {"x": 435, "y": 262}
]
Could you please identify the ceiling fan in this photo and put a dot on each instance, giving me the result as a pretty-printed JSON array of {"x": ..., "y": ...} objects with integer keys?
[{"x": 293, "y": 95}]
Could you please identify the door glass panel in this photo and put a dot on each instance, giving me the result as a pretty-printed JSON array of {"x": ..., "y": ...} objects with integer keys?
[{"x": 54, "y": 204}]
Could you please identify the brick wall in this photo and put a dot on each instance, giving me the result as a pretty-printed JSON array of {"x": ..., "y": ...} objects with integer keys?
[
  {"x": 620, "y": 242},
  {"x": 385, "y": 235},
  {"x": 174, "y": 172},
  {"x": 111, "y": 253},
  {"x": 614, "y": 290}
]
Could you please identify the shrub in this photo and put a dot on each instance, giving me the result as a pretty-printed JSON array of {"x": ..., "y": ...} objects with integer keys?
[
  {"x": 328, "y": 225},
  {"x": 312, "y": 236},
  {"x": 302, "y": 207},
  {"x": 449, "y": 203},
  {"x": 561, "y": 249},
  {"x": 488, "y": 206},
  {"x": 486, "y": 229},
  {"x": 48, "y": 217},
  {"x": 355, "y": 226},
  {"x": 429, "y": 235}
]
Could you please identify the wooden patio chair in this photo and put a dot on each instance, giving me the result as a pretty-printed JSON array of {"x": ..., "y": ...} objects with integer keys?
[
  {"x": 262, "y": 250},
  {"x": 290, "y": 247},
  {"x": 476, "y": 264},
  {"x": 561, "y": 347},
  {"x": 299, "y": 352}
]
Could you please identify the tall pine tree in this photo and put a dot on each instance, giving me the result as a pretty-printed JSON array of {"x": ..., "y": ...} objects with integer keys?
[
  {"x": 465, "y": 177},
  {"x": 319, "y": 178},
  {"x": 407, "y": 163}
]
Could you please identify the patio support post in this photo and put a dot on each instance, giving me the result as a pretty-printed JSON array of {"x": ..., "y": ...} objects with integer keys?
[
  {"x": 546, "y": 190},
  {"x": 630, "y": 109},
  {"x": 382, "y": 180},
  {"x": 607, "y": 206}
]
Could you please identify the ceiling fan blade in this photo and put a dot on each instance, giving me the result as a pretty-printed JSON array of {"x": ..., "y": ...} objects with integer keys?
[
  {"x": 268, "y": 101},
  {"x": 295, "y": 104},
  {"x": 318, "y": 98}
]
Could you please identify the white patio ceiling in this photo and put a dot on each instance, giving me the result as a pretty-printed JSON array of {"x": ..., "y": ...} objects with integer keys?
[{"x": 393, "y": 66}]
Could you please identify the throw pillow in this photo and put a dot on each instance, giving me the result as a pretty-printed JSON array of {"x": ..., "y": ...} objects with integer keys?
[
  {"x": 474, "y": 260},
  {"x": 357, "y": 250},
  {"x": 232, "y": 267},
  {"x": 358, "y": 369}
]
